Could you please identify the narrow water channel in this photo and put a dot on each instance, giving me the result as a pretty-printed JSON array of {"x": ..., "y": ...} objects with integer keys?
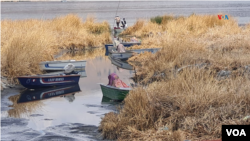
[{"x": 85, "y": 107}]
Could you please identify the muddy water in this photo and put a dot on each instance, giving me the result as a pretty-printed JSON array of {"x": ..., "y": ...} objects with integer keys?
[
  {"x": 59, "y": 115},
  {"x": 131, "y": 10}
]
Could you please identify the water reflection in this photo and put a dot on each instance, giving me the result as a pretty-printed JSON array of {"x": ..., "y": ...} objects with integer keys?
[
  {"x": 29, "y": 102},
  {"x": 86, "y": 106},
  {"x": 23, "y": 110},
  {"x": 67, "y": 92}
]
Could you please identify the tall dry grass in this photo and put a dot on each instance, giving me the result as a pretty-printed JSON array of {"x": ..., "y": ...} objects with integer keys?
[
  {"x": 192, "y": 103},
  {"x": 25, "y": 43}
]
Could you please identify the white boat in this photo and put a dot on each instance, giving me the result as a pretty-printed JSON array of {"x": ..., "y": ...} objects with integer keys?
[
  {"x": 59, "y": 65},
  {"x": 80, "y": 72}
]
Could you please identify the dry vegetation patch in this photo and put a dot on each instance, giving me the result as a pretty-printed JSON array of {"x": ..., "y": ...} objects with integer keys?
[
  {"x": 25, "y": 43},
  {"x": 198, "y": 81}
]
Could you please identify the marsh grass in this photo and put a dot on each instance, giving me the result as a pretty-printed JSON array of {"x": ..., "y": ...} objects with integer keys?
[
  {"x": 25, "y": 43},
  {"x": 192, "y": 103}
]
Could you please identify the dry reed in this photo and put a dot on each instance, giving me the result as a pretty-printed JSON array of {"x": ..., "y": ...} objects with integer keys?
[
  {"x": 25, "y": 43},
  {"x": 192, "y": 103}
]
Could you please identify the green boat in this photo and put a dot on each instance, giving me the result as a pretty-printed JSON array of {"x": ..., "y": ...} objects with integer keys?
[{"x": 114, "y": 93}]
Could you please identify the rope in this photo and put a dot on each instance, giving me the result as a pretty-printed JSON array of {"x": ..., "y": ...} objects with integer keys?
[{"x": 116, "y": 11}]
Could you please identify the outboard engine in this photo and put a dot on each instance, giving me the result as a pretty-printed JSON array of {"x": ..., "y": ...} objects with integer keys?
[{"x": 69, "y": 69}]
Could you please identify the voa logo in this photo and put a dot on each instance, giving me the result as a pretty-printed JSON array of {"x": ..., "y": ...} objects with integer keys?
[
  {"x": 225, "y": 17},
  {"x": 236, "y": 132}
]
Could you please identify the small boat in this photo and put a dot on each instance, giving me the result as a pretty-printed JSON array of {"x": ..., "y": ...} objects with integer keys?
[
  {"x": 80, "y": 72},
  {"x": 121, "y": 64},
  {"x": 41, "y": 94},
  {"x": 59, "y": 65},
  {"x": 118, "y": 30},
  {"x": 123, "y": 55},
  {"x": 109, "y": 47},
  {"x": 152, "y": 50},
  {"x": 130, "y": 53},
  {"x": 40, "y": 81},
  {"x": 114, "y": 93}
]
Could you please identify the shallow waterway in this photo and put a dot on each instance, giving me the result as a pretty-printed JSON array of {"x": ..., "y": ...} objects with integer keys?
[
  {"x": 66, "y": 118},
  {"x": 77, "y": 117}
]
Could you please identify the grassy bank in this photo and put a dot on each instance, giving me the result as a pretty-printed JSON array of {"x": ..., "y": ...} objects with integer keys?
[
  {"x": 186, "y": 97},
  {"x": 25, "y": 43}
]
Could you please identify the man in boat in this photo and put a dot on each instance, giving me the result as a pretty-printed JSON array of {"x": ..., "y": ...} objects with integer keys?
[
  {"x": 125, "y": 23},
  {"x": 116, "y": 82},
  {"x": 119, "y": 47},
  {"x": 117, "y": 19}
]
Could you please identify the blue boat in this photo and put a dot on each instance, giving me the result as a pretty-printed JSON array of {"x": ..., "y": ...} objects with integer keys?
[
  {"x": 40, "y": 81},
  {"x": 41, "y": 94}
]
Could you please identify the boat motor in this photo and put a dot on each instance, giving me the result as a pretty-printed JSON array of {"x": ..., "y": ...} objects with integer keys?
[{"x": 69, "y": 69}]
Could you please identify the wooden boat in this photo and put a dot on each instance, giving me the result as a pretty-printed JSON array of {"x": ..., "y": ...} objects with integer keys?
[
  {"x": 118, "y": 30},
  {"x": 59, "y": 65},
  {"x": 121, "y": 64},
  {"x": 40, "y": 81},
  {"x": 41, "y": 94},
  {"x": 113, "y": 92}
]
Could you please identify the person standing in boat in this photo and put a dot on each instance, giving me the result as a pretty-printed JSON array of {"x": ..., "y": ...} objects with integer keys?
[
  {"x": 117, "y": 19},
  {"x": 125, "y": 23}
]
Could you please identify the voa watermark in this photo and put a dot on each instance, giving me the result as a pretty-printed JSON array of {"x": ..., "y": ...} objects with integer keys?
[
  {"x": 236, "y": 132},
  {"x": 224, "y": 17}
]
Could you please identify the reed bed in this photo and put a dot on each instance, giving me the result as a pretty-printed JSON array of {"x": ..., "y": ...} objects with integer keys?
[
  {"x": 25, "y": 43},
  {"x": 185, "y": 97}
]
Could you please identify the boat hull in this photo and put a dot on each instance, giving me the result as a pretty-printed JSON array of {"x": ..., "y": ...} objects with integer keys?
[
  {"x": 121, "y": 64},
  {"x": 41, "y": 94},
  {"x": 114, "y": 93},
  {"x": 152, "y": 50},
  {"x": 109, "y": 47},
  {"x": 118, "y": 30},
  {"x": 59, "y": 65},
  {"x": 80, "y": 72},
  {"x": 123, "y": 55},
  {"x": 41, "y": 81}
]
